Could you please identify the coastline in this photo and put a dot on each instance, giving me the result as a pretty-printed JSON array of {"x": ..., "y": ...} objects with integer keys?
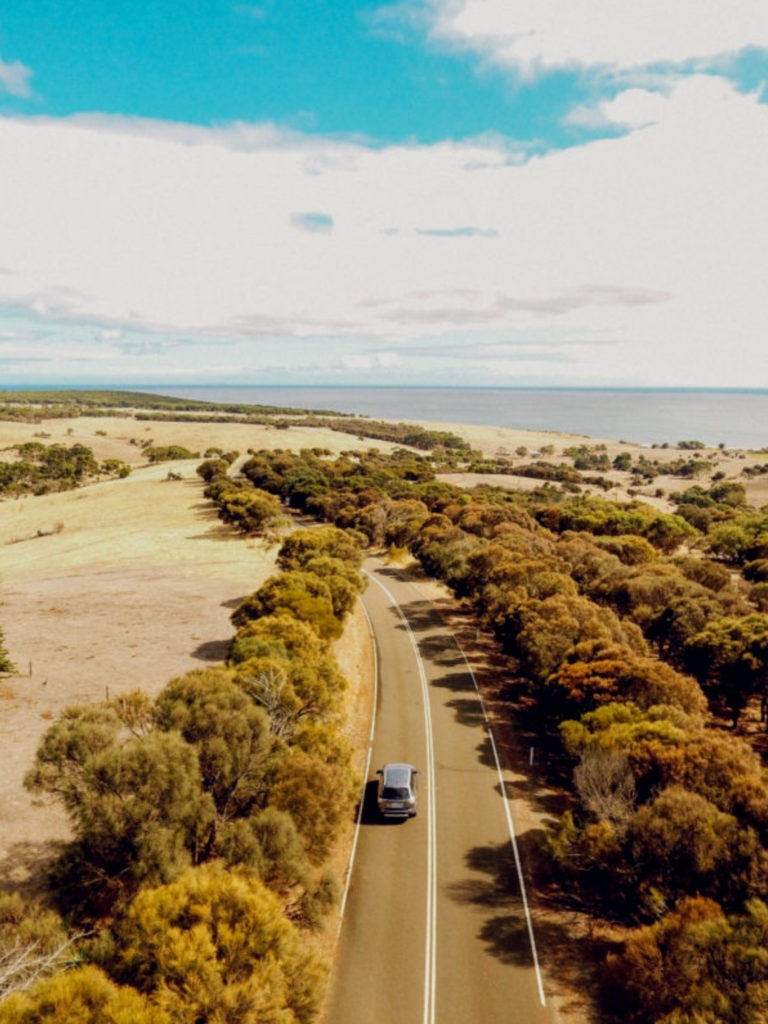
[{"x": 737, "y": 418}]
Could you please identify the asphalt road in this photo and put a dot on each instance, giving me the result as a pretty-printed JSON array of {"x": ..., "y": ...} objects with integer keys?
[{"x": 435, "y": 927}]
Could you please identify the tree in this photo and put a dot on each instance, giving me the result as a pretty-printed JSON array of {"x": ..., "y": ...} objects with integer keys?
[
  {"x": 662, "y": 963},
  {"x": 138, "y": 809},
  {"x": 318, "y": 796},
  {"x": 282, "y": 661},
  {"x": 344, "y": 581},
  {"x": 681, "y": 844},
  {"x": 694, "y": 965},
  {"x": 401, "y": 522},
  {"x": 680, "y": 620},
  {"x": 302, "y": 594},
  {"x": 644, "y": 591},
  {"x": 230, "y": 734},
  {"x": 539, "y": 633},
  {"x": 730, "y": 656},
  {"x": 606, "y": 786},
  {"x": 595, "y": 672},
  {"x": 712, "y": 575},
  {"x": 82, "y": 996},
  {"x": 67, "y": 749},
  {"x": 302, "y": 545},
  {"x": 215, "y": 946},
  {"x": 628, "y": 548},
  {"x": 289, "y": 689},
  {"x": 279, "y": 636},
  {"x": 251, "y": 510},
  {"x": 728, "y": 541},
  {"x": 588, "y": 565},
  {"x": 212, "y": 467}
]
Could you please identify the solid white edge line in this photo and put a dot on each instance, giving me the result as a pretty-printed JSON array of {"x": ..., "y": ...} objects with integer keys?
[
  {"x": 511, "y": 826},
  {"x": 430, "y": 965},
  {"x": 348, "y": 880}
]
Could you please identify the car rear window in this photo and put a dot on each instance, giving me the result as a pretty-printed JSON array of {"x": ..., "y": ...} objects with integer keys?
[{"x": 395, "y": 793}]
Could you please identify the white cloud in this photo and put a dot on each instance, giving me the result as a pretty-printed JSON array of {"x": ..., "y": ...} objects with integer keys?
[
  {"x": 533, "y": 35},
  {"x": 632, "y": 108},
  {"x": 14, "y": 78},
  {"x": 636, "y": 259}
]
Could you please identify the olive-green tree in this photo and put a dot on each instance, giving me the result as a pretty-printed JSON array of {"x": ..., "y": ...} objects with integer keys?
[
  {"x": 231, "y": 736},
  {"x": 303, "y": 595}
]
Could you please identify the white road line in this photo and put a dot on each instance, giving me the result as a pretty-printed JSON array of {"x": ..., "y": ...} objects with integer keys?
[
  {"x": 510, "y": 825},
  {"x": 430, "y": 957},
  {"x": 367, "y": 769}
]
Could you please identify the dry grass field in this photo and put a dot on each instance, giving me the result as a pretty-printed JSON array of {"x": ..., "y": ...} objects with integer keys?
[{"x": 113, "y": 587}]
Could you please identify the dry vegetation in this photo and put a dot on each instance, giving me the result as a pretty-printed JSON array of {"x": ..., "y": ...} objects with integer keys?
[{"x": 129, "y": 583}]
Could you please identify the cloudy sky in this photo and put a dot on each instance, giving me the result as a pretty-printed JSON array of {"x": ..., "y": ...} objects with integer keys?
[{"x": 453, "y": 192}]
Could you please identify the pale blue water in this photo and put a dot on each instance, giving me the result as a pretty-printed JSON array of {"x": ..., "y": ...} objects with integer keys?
[{"x": 737, "y": 419}]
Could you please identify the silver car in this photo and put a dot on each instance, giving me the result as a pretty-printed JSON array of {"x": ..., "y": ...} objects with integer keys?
[{"x": 397, "y": 790}]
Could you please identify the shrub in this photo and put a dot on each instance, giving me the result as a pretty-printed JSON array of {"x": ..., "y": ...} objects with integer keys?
[
  {"x": 166, "y": 453},
  {"x": 82, "y": 996},
  {"x": 215, "y": 946}
]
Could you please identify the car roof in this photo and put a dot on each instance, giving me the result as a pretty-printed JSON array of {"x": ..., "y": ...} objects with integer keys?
[{"x": 398, "y": 772}]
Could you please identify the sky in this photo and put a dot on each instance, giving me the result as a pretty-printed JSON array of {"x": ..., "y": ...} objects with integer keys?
[{"x": 426, "y": 192}]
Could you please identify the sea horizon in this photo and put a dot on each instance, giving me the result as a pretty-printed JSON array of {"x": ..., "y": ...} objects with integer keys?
[{"x": 732, "y": 417}]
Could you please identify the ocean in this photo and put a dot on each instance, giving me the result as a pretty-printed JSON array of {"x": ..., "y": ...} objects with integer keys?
[{"x": 733, "y": 418}]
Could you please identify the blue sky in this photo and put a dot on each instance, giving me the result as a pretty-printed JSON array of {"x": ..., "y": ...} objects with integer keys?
[
  {"x": 333, "y": 68},
  {"x": 430, "y": 191}
]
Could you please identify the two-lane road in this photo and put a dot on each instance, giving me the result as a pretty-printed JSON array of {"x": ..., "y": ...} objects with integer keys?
[{"x": 435, "y": 927}]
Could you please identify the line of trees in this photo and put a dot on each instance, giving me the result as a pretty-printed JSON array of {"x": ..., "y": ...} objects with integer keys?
[
  {"x": 623, "y": 643},
  {"x": 202, "y": 822}
]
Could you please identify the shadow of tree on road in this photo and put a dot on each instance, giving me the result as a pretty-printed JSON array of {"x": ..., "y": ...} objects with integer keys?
[
  {"x": 441, "y": 652},
  {"x": 459, "y": 682},
  {"x": 468, "y": 712},
  {"x": 420, "y": 615},
  {"x": 563, "y": 945},
  {"x": 542, "y": 800}
]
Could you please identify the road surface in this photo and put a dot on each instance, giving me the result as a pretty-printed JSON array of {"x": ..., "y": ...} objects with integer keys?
[{"x": 435, "y": 928}]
